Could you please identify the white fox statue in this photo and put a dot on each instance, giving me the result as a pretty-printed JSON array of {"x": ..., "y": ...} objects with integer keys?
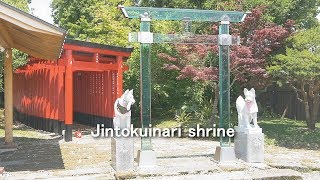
[
  {"x": 122, "y": 111},
  {"x": 247, "y": 109}
]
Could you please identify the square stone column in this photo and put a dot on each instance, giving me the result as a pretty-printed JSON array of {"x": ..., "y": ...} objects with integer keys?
[
  {"x": 249, "y": 144},
  {"x": 146, "y": 158},
  {"x": 122, "y": 153}
]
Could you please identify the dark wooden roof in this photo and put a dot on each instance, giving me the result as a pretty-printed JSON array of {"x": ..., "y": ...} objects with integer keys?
[
  {"x": 29, "y": 34},
  {"x": 97, "y": 45}
]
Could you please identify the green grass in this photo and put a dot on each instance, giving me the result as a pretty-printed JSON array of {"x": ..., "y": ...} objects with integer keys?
[
  {"x": 290, "y": 133},
  {"x": 280, "y": 132},
  {"x": 22, "y": 133},
  {"x": 166, "y": 123},
  {"x": 17, "y": 132}
]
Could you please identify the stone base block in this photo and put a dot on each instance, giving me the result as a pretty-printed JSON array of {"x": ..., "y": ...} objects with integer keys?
[
  {"x": 249, "y": 146},
  {"x": 122, "y": 153},
  {"x": 224, "y": 154},
  {"x": 68, "y": 133},
  {"x": 248, "y": 130},
  {"x": 147, "y": 158}
]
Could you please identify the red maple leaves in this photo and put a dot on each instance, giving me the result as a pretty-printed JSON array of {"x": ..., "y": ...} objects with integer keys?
[{"x": 248, "y": 61}]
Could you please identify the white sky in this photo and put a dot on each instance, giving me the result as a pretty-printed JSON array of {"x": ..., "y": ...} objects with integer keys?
[{"x": 41, "y": 9}]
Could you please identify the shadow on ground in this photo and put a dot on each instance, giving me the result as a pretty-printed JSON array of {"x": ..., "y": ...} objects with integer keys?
[
  {"x": 291, "y": 134},
  {"x": 186, "y": 156},
  {"x": 33, "y": 155}
]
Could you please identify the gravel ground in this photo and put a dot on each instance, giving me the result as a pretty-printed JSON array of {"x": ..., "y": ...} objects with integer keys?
[{"x": 48, "y": 156}]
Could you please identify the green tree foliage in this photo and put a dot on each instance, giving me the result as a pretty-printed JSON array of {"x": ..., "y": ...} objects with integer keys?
[
  {"x": 100, "y": 21},
  {"x": 92, "y": 20},
  {"x": 304, "y": 12},
  {"x": 277, "y": 11},
  {"x": 299, "y": 68},
  {"x": 20, "y": 4},
  {"x": 168, "y": 93}
]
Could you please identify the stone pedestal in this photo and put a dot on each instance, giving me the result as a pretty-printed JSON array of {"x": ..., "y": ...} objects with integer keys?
[
  {"x": 146, "y": 158},
  {"x": 122, "y": 153},
  {"x": 249, "y": 144},
  {"x": 224, "y": 154}
]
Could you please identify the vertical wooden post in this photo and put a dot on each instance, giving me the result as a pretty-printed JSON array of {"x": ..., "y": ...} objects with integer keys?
[
  {"x": 120, "y": 76},
  {"x": 8, "y": 113},
  {"x": 68, "y": 96}
]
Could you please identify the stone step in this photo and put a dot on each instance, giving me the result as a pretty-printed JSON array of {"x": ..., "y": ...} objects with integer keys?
[{"x": 274, "y": 174}]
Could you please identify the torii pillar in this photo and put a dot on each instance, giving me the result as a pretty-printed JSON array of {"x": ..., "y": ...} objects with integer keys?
[
  {"x": 8, "y": 103},
  {"x": 224, "y": 152},
  {"x": 29, "y": 34}
]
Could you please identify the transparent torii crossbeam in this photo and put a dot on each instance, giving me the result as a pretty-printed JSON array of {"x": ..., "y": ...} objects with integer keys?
[
  {"x": 179, "y": 38},
  {"x": 175, "y": 14},
  {"x": 146, "y": 38}
]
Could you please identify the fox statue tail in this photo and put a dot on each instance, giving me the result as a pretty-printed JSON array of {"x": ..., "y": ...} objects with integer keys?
[{"x": 240, "y": 103}]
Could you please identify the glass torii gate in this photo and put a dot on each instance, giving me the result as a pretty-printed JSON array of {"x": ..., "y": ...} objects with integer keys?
[{"x": 224, "y": 40}]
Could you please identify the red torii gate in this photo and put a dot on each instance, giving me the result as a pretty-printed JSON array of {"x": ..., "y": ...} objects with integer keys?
[{"x": 86, "y": 80}]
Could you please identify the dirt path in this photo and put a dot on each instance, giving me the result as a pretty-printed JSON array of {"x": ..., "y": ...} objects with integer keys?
[{"x": 45, "y": 155}]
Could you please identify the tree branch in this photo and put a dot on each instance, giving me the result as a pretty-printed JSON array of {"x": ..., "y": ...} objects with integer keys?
[
  {"x": 317, "y": 86},
  {"x": 311, "y": 89},
  {"x": 296, "y": 90},
  {"x": 233, "y": 81},
  {"x": 304, "y": 93}
]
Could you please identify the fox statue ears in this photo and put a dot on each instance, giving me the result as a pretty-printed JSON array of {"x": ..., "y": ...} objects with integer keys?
[
  {"x": 253, "y": 91},
  {"x": 128, "y": 92},
  {"x": 246, "y": 90}
]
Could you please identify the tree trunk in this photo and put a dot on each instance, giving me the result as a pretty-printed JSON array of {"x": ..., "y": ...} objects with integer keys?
[
  {"x": 306, "y": 105},
  {"x": 307, "y": 111},
  {"x": 285, "y": 112},
  {"x": 315, "y": 110},
  {"x": 215, "y": 90}
]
